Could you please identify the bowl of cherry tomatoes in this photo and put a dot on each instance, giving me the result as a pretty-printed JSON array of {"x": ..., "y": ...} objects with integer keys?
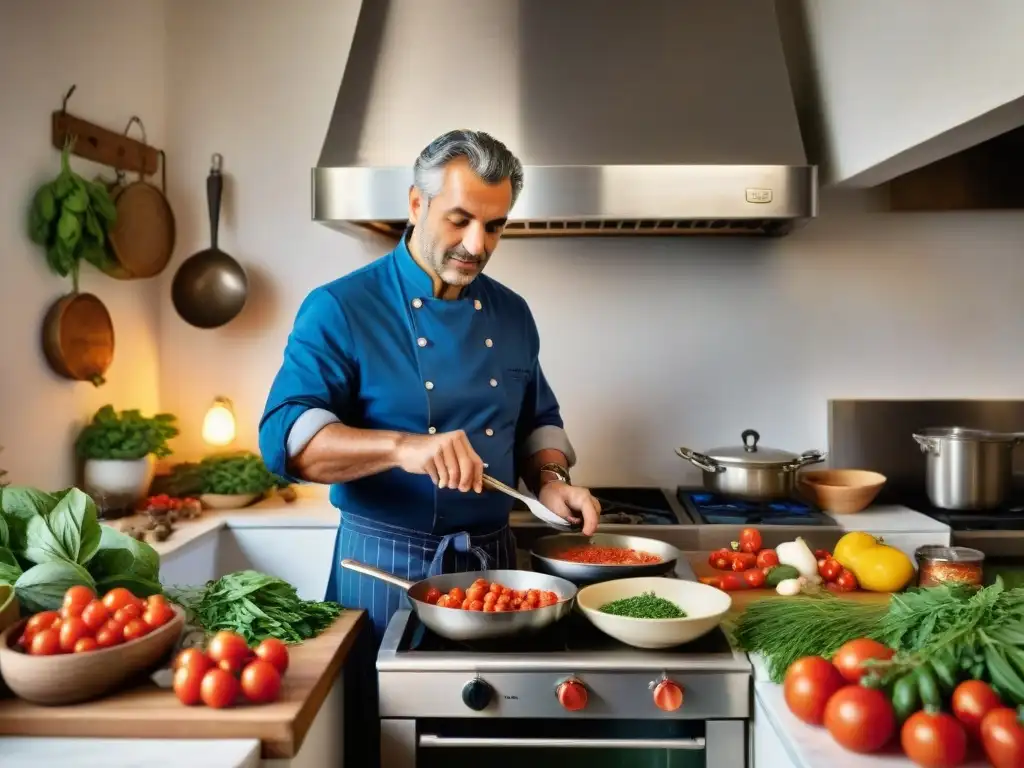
[{"x": 89, "y": 647}]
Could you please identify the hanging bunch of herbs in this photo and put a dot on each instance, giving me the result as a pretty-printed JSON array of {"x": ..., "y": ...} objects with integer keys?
[
  {"x": 70, "y": 217},
  {"x": 52, "y": 541},
  {"x": 126, "y": 435}
]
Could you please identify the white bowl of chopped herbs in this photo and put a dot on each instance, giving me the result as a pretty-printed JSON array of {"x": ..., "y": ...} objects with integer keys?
[{"x": 652, "y": 612}]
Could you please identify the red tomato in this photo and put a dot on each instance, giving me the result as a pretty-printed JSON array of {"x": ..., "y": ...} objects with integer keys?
[
  {"x": 733, "y": 582},
  {"x": 934, "y": 740},
  {"x": 721, "y": 559},
  {"x": 95, "y": 615},
  {"x": 128, "y": 612},
  {"x": 46, "y": 642},
  {"x": 71, "y": 631},
  {"x": 829, "y": 569},
  {"x": 742, "y": 561},
  {"x": 85, "y": 644},
  {"x": 194, "y": 659},
  {"x": 218, "y": 688},
  {"x": 972, "y": 700},
  {"x": 187, "y": 685},
  {"x": 822, "y": 554},
  {"x": 76, "y": 598},
  {"x": 767, "y": 558},
  {"x": 754, "y": 578},
  {"x": 157, "y": 614},
  {"x": 118, "y": 598},
  {"x": 712, "y": 581},
  {"x": 1002, "y": 736},
  {"x": 850, "y": 657},
  {"x": 275, "y": 652},
  {"x": 860, "y": 719},
  {"x": 846, "y": 581},
  {"x": 432, "y": 594},
  {"x": 261, "y": 682},
  {"x": 135, "y": 629},
  {"x": 809, "y": 684},
  {"x": 750, "y": 540},
  {"x": 229, "y": 648},
  {"x": 42, "y": 620},
  {"x": 109, "y": 636}
]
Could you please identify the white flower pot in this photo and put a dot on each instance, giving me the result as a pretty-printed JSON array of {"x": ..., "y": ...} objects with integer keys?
[{"x": 116, "y": 483}]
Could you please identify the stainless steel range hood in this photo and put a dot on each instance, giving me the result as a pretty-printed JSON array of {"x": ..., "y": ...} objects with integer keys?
[{"x": 653, "y": 117}]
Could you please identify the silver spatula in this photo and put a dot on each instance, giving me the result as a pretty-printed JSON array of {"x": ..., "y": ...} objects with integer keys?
[{"x": 538, "y": 510}]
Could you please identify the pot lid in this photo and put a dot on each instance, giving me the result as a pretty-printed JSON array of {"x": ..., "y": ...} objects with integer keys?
[
  {"x": 750, "y": 453},
  {"x": 965, "y": 433}
]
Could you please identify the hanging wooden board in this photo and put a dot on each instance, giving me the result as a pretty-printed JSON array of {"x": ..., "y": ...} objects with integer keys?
[
  {"x": 78, "y": 338},
  {"x": 103, "y": 146}
]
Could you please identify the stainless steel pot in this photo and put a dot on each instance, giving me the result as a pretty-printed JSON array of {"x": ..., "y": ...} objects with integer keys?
[
  {"x": 751, "y": 471},
  {"x": 967, "y": 469}
]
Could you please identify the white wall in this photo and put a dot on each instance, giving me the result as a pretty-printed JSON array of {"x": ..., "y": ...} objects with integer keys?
[
  {"x": 902, "y": 84},
  {"x": 113, "y": 50},
  {"x": 649, "y": 344}
]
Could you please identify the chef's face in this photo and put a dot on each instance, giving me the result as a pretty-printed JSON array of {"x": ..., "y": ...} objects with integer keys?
[{"x": 460, "y": 228}]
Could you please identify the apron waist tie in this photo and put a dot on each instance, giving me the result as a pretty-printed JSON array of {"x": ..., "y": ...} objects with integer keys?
[{"x": 462, "y": 542}]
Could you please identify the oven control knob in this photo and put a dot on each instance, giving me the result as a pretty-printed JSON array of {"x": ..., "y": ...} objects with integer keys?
[
  {"x": 668, "y": 696},
  {"x": 476, "y": 694},
  {"x": 572, "y": 695}
]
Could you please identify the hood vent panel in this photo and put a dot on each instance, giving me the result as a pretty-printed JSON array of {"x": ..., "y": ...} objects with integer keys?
[{"x": 655, "y": 117}]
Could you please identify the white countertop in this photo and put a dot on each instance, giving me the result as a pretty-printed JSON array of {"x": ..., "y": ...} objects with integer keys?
[
  {"x": 28, "y": 752},
  {"x": 889, "y": 518}
]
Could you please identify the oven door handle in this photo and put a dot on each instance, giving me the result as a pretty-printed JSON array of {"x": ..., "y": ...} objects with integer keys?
[{"x": 431, "y": 740}]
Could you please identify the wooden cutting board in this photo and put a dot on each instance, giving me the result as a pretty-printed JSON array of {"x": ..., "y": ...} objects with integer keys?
[{"x": 740, "y": 600}]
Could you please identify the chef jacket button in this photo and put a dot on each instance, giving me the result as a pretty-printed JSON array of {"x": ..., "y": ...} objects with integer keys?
[
  {"x": 488, "y": 343},
  {"x": 421, "y": 341},
  {"x": 428, "y": 384},
  {"x": 489, "y": 432},
  {"x": 417, "y": 303},
  {"x": 494, "y": 382},
  {"x": 477, "y": 304},
  {"x": 431, "y": 430}
]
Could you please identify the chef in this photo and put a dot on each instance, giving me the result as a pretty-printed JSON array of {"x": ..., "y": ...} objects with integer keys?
[{"x": 403, "y": 381}]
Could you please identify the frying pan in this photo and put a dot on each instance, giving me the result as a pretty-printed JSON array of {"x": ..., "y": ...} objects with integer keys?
[
  {"x": 542, "y": 557},
  {"x": 459, "y": 625},
  {"x": 210, "y": 287}
]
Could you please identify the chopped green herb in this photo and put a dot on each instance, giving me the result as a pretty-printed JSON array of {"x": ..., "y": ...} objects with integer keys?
[{"x": 644, "y": 606}]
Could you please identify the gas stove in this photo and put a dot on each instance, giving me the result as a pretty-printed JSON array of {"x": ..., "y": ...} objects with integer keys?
[{"x": 710, "y": 508}]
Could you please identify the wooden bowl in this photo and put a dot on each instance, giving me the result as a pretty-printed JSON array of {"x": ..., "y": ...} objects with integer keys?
[
  {"x": 227, "y": 500},
  {"x": 10, "y": 612},
  {"x": 76, "y": 677},
  {"x": 842, "y": 491}
]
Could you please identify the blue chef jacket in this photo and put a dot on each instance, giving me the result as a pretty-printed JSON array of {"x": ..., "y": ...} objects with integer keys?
[{"x": 378, "y": 351}]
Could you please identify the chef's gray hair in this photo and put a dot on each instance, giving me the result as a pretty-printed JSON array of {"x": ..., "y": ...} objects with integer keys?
[{"x": 491, "y": 160}]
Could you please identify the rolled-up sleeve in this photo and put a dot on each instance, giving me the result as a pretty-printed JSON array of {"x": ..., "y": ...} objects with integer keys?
[
  {"x": 540, "y": 423},
  {"x": 315, "y": 382}
]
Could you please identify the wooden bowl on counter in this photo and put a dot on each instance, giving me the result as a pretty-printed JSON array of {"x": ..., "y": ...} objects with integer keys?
[
  {"x": 73, "y": 678},
  {"x": 227, "y": 500},
  {"x": 842, "y": 491}
]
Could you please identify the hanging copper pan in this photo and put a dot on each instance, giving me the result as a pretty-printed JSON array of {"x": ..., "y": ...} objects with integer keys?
[{"x": 78, "y": 338}]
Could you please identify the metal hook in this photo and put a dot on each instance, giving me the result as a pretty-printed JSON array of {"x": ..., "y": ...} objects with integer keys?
[
  {"x": 64, "y": 103},
  {"x": 136, "y": 120}
]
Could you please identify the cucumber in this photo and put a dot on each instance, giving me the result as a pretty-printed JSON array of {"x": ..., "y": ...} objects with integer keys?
[
  {"x": 905, "y": 697},
  {"x": 928, "y": 687},
  {"x": 780, "y": 573}
]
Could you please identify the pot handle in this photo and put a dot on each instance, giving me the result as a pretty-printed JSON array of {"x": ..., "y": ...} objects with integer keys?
[
  {"x": 699, "y": 460},
  {"x": 805, "y": 458},
  {"x": 366, "y": 570},
  {"x": 928, "y": 444}
]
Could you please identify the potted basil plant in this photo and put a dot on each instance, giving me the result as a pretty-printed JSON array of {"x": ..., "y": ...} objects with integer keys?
[{"x": 119, "y": 450}]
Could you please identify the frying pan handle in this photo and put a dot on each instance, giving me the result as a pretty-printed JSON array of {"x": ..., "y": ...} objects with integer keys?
[
  {"x": 366, "y": 570},
  {"x": 214, "y": 188}
]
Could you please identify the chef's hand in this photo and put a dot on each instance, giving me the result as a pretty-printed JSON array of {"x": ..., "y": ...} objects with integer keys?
[
  {"x": 447, "y": 457},
  {"x": 570, "y": 502}
]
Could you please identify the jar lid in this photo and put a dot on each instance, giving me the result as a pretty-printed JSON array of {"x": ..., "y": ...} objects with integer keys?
[{"x": 937, "y": 553}]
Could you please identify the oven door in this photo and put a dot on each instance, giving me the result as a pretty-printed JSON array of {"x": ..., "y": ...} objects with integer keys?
[{"x": 597, "y": 743}]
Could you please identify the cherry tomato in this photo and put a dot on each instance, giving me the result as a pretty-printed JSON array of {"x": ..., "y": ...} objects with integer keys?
[
  {"x": 721, "y": 559},
  {"x": 712, "y": 581},
  {"x": 972, "y": 700},
  {"x": 822, "y": 554},
  {"x": 95, "y": 615},
  {"x": 194, "y": 659},
  {"x": 432, "y": 594},
  {"x": 187, "y": 685},
  {"x": 109, "y": 636},
  {"x": 767, "y": 558},
  {"x": 46, "y": 642},
  {"x": 227, "y": 646},
  {"x": 846, "y": 581},
  {"x": 118, "y": 598},
  {"x": 218, "y": 688},
  {"x": 86, "y": 644},
  {"x": 275, "y": 652},
  {"x": 1002, "y": 737},
  {"x": 733, "y": 582},
  {"x": 808, "y": 685},
  {"x": 127, "y": 613},
  {"x": 742, "y": 561},
  {"x": 157, "y": 614},
  {"x": 829, "y": 569},
  {"x": 76, "y": 598},
  {"x": 135, "y": 629},
  {"x": 850, "y": 657},
  {"x": 42, "y": 620},
  {"x": 261, "y": 682},
  {"x": 750, "y": 540},
  {"x": 934, "y": 740},
  {"x": 72, "y": 630},
  {"x": 755, "y": 578},
  {"x": 860, "y": 719}
]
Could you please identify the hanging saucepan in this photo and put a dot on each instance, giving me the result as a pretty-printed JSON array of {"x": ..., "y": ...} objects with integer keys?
[
  {"x": 210, "y": 287},
  {"x": 142, "y": 237},
  {"x": 751, "y": 471},
  {"x": 78, "y": 338}
]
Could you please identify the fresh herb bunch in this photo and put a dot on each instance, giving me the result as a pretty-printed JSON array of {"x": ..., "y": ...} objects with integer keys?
[
  {"x": 240, "y": 472},
  {"x": 127, "y": 435},
  {"x": 644, "y": 606},
  {"x": 255, "y": 606},
  {"x": 70, "y": 217}
]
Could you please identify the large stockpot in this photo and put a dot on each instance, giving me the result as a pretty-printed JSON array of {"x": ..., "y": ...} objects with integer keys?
[
  {"x": 751, "y": 471},
  {"x": 967, "y": 469}
]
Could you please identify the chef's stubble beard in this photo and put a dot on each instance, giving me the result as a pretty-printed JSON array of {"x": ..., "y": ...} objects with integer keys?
[{"x": 438, "y": 262}]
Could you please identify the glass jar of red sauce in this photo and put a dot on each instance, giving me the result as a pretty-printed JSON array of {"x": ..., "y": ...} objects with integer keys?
[{"x": 937, "y": 564}]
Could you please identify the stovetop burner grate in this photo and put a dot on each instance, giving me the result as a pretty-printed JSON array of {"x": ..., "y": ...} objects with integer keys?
[
  {"x": 1007, "y": 518},
  {"x": 715, "y": 509},
  {"x": 633, "y": 506}
]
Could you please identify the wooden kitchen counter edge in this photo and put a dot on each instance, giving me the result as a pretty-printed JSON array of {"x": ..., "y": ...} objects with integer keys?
[{"x": 151, "y": 712}]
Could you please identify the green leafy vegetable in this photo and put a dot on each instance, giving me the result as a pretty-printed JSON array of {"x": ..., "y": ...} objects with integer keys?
[
  {"x": 68, "y": 531},
  {"x": 10, "y": 568},
  {"x": 127, "y": 435},
  {"x": 228, "y": 473},
  {"x": 644, "y": 606},
  {"x": 256, "y": 606},
  {"x": 42, "y": 587},
  {"x": 123, "y": 555}
]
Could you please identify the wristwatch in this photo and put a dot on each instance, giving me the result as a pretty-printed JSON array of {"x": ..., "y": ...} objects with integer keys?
[{"x": 558, "y": 471}]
